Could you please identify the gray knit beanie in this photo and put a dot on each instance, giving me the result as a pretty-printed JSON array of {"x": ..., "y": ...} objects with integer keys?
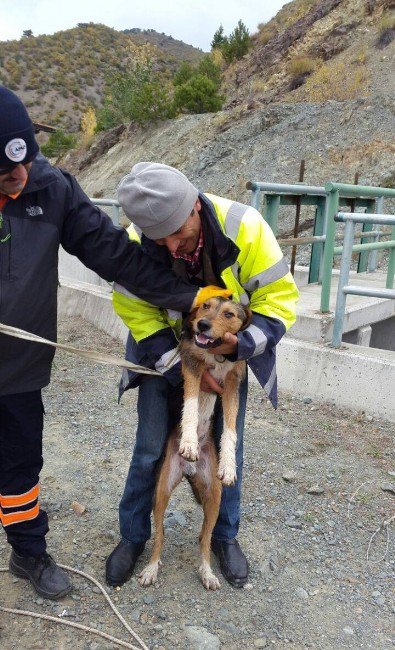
[{"x": 156, "y": 198}]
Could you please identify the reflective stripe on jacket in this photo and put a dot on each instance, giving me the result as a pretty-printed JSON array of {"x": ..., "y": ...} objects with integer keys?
[{"x": 249, "y": 261}]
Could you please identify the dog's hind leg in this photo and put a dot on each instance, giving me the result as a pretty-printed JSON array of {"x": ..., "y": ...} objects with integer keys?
[
  {"x": 210, "y": 490},
  {"x": 169, "y": 477}
]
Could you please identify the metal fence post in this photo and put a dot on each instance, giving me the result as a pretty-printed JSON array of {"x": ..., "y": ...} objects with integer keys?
[
  {"x": 343, "y": 281},
  {"x": 271, "y": 213},
  {"x": 315, "y": 270},
  {"x": 391, "y": 264},
  {"x": 364, "y": 257},
  {"x": 255, "y": 199},
  {"x": 327, "y": 262},
  {"x": 379, "y": 209}
]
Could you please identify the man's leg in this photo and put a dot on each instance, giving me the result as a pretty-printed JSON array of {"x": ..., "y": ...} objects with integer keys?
[
  {"x": 25, "y": 524},
  {"x": 158, "y": 410},
  {"x": 233, "y": 563}
]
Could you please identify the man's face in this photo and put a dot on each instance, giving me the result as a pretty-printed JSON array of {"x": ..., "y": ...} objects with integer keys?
[
  {"x": 13, "y": 179},
  {"x": 186, "y": 238}
]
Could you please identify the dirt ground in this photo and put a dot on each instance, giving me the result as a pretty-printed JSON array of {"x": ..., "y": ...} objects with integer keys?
[{"x": 318, "y": 481}]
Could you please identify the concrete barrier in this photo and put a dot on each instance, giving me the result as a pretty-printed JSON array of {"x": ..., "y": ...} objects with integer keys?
[{"x": 355, "y": 377}]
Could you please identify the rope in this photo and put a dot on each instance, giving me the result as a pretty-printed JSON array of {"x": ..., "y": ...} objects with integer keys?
[
  {"x": 100, "y": 357},
  {"x": 79, "y": 626}
]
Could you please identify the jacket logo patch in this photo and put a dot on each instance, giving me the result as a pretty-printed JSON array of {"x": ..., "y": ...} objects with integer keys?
[{"x": 34, "y": 210}]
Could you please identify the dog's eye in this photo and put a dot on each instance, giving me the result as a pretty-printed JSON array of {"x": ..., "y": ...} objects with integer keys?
[
  {"x": 229, "y": 314},
  {"x": 205, "y": 306}
]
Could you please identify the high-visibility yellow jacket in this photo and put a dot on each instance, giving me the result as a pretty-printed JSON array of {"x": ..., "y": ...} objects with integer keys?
[{"x": 246, "y": 258}]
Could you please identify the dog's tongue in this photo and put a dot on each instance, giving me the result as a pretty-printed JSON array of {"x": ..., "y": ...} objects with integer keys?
[{"x": 203, "y": 339}]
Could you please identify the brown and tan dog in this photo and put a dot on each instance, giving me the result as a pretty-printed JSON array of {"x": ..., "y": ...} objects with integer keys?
[{"x": 190, "y": 450}]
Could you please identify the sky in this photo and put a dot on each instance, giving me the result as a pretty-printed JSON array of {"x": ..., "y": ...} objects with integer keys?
[{"x": 191, "y": 21}]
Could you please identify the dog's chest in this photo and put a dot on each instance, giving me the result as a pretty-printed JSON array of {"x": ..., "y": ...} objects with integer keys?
[{"x": 218, "y": 369}]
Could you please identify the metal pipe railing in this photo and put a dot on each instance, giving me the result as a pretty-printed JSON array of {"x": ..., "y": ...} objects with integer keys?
[
  {"x": 335, "y": 191},
  {"x": 350, "y": 219},
  {"x": 114, "y": 208},
  {"x": 359, "y": 190},
  {"x": 283, "y": 188}
]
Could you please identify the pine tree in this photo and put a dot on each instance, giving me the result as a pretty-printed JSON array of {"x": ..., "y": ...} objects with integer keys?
[{"x": 219, "y": 39}]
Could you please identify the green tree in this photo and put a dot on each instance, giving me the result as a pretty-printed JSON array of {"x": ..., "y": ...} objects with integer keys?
[
  {"x": 139, "y": 95},
  {"x": 210, "y": 69},
  {"x": 238, "y": 43},
  {"x": 198, "y": 95},
  {"x": 183, "y": 74},
  {"x": 219, "y": 39},
  {"x": 58, "y": 143}
]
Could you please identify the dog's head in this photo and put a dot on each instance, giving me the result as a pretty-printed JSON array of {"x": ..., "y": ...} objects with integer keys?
[{"x": 207, "y": 324}]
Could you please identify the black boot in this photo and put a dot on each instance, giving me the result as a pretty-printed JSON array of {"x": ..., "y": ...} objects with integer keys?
[
  {"x": 232, "y": 561},
  {"x": 49, "y": 580},
  {"x": 121, "y": 562}
]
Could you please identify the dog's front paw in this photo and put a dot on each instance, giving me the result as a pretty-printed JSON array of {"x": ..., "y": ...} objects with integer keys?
[
  {"x": 189, "y": 450},
  {"x": 209, "y": 579},
  {"x": 227, "y": 474},
  {"x": 149, "y": 574}
]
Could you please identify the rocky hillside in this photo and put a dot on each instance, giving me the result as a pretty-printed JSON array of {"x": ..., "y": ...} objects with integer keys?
[
  {"x": 221, "y": 152},
  {"x": 59, "y": 76},
  {"x": 314, "y": 50},
  {"x": 341, "y": 124},
  {"x": 172, "y": 47}
]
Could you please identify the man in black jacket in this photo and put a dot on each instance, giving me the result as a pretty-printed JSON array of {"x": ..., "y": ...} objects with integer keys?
[{"x": 42, "y": 207}]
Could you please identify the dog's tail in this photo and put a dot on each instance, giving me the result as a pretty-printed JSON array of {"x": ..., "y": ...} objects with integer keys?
[{"x": 194, "y": 489}]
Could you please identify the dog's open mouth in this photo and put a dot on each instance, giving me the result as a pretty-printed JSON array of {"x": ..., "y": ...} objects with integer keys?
[{"x": 203, "y": 341}]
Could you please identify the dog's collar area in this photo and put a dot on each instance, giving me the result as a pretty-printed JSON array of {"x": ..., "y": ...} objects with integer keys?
[{"x": 219, "y": 358}]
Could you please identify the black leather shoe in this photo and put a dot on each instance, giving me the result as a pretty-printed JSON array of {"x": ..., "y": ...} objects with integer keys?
[
  {"x": 121, "y": 562},
  {"x": 49, "y": 580},
  {"x": 232, "y": 561}
]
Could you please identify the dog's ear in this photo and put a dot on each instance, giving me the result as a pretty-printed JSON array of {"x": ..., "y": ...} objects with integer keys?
[
  {"x": 248, "y": 318},
  {"x": 186, "y": 325}
]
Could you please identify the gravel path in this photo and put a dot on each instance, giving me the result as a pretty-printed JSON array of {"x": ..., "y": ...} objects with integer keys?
[{"x": 311, "y": 584}]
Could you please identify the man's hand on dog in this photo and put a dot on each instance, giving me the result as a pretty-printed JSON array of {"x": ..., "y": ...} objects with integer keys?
[{"x": 229, "y": 346}]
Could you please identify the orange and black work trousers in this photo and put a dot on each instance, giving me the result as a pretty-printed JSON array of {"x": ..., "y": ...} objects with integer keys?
[{"x": 21, "y": 429}]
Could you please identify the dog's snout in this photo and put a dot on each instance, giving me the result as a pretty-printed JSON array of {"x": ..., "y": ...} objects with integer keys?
[{"x": 203, "y": 325}]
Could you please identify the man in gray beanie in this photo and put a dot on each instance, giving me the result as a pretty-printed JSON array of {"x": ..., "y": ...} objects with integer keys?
[
  {"x": 42, "y": 207},
  {"x": 205, "y": 239}
]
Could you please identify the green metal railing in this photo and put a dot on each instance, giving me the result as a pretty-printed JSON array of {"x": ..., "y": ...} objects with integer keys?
[
  {"x": 336, "y": 190},
  {"x": 346, "y": 251},
  {"x": 327, "y": 201}
]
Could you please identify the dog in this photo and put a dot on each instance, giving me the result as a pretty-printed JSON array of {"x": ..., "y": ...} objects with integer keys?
[{"x": 190, "y": 450}]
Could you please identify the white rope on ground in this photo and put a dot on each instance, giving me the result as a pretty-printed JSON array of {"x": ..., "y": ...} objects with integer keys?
[
  {"x": 100, "y": 357},
  {"x": 79, "y": 626}
]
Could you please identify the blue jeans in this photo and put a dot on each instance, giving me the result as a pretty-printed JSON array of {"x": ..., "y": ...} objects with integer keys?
[{"x": 159, "y": 409}]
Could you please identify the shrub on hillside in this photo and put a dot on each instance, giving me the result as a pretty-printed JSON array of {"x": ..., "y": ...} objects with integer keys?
[
  {"x": 300, "y": 68},
  {"x": 58, "y": 144},
  {"x": 336, "y": 81},
  {"x": 302, "y": 65},
  {"x": 198, "y": 95},
  {"x": 139, "y": 95},
  {"x": 197, "y": 88},
  {"x": 236, "y": 45},
  {"x": 386, "y": 32}
]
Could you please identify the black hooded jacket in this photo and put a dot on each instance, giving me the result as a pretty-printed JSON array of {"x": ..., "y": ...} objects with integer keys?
[{"x": 53, "y": 210}]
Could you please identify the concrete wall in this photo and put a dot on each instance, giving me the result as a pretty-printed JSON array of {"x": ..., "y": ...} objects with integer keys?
[{"x": 354, "y": 377}]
